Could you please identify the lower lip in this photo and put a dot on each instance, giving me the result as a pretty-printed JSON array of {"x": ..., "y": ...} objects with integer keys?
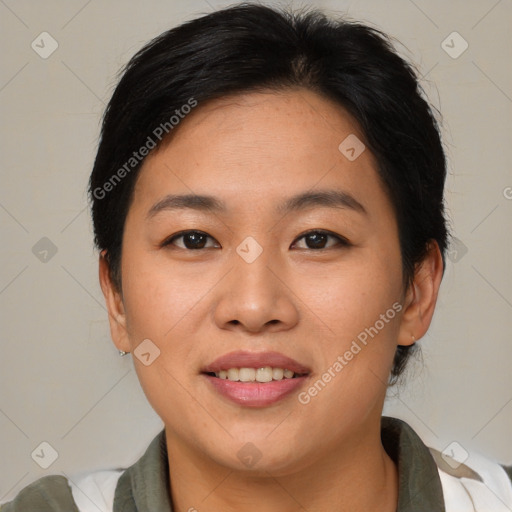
[{"x": 256, "y": 394}]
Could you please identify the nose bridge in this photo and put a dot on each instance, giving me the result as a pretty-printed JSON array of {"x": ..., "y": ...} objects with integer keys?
[
  {"x": 251, "y": 269},
  {"x": 252, "y": 295}
]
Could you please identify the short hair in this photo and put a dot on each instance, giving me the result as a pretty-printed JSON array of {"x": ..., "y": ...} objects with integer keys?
[{"x": 249, "y": 48}]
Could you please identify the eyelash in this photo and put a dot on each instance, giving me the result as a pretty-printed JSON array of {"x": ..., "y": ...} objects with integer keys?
[{"x": 342, "y": 242}]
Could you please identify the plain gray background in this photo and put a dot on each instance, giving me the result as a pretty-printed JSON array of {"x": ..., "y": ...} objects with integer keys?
[{"x": 61, "y": 379}]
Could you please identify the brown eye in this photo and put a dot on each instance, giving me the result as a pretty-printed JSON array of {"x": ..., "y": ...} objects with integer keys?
[
  {"x": 318, "y": 240},
  {"x": 192, "y": 240}
]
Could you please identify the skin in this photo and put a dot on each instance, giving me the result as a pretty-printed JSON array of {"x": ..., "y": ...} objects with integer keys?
[{"x": 253, "y": 151}]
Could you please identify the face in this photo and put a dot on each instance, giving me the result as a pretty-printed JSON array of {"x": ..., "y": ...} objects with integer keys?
[{"x": 291, "y": 263}]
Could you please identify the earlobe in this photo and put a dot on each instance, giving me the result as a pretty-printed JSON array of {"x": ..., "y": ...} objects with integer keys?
[
  {"x": 421, "y": 297},
  {"x": 115, "y": 305}
]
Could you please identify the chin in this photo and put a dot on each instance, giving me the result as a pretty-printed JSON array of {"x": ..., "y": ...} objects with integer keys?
[{"x": 260, "y": 456}]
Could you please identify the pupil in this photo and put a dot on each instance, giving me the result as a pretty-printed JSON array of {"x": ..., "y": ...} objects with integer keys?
[
  {"x": 196, "y": 237},
  {"x": 318, "y": 239}
]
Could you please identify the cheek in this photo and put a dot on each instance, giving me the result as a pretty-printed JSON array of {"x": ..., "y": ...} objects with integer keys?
[
  {"x": 356, "y": 351},
  {"x": 160, "y": 306},
  {"x": 355, "y": 298},
  {"x": 158, "y": 298},
  {"x": 359, "y": 311}
]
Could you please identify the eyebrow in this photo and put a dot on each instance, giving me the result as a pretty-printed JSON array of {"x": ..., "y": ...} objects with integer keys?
[{"x": 319, "y": 198}]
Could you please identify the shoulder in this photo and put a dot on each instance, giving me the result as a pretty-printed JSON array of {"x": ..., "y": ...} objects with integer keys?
[
  {"x": 145, "y": 481},
  {"x": 56, "y": 493},
  {"x": 473, "y": 481},
  {"x": 48, "y": 494},
  {"x": 453, "y": 480}
]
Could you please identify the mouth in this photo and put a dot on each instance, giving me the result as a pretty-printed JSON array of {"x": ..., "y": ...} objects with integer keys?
[{"x": 255, "y": 379}]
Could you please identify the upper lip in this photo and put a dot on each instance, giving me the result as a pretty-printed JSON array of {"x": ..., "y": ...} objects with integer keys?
[{"x": 244, "y": 359}]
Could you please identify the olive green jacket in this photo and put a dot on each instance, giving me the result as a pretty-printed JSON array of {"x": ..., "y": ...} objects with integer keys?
[{"x": 428, "y": 482}]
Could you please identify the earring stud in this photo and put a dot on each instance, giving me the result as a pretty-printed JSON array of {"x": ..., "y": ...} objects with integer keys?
[{"x": 122, "y": 353}]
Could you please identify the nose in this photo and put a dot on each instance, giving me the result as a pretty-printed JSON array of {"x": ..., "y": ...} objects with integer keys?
[{"x": 255, "y": 297}]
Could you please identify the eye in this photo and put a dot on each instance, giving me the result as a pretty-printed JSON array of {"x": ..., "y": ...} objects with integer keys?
[
  {"x": 317, "y": 240},
  {"x": 194, "y": 240},
  {"x": 191, "y": 240}
]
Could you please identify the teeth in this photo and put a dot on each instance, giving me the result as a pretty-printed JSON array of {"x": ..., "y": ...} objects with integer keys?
[
  {"x": 265, "y": 374},
  {"x": 288, "y": 374},
  {"x": 247, "y": 374},
  {"x": 277, "y": 373},
  {"x": 233, "y": 374}
]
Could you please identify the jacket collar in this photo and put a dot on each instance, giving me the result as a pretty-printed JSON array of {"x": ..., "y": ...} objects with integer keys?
[
  {"x": 144, "y": 486},
  {"x": 419, "y": 485}
]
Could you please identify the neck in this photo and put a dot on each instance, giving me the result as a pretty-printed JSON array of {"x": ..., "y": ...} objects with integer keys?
[{"x": 358, "y": 476}]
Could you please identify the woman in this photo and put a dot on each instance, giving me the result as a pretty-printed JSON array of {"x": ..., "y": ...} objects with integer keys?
[{"x": 267, "y": 199}]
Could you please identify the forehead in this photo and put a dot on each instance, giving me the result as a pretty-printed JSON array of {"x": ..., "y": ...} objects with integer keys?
[
  {"x": 253, "y": 148},
  {"x": 283, "y": 119}
]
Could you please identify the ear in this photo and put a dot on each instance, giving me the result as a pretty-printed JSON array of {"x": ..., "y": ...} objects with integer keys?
[
  {"x": 421, "y": 296},
  {"x": 115, "y": 306}
]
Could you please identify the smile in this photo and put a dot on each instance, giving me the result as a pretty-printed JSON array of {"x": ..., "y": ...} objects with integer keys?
[
  {"x": 265, "y": 374},
  {"x": 255, "y": 379}
]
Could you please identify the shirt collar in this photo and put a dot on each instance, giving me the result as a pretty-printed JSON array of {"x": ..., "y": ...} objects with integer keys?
[{"x": 144, "y": 486}]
